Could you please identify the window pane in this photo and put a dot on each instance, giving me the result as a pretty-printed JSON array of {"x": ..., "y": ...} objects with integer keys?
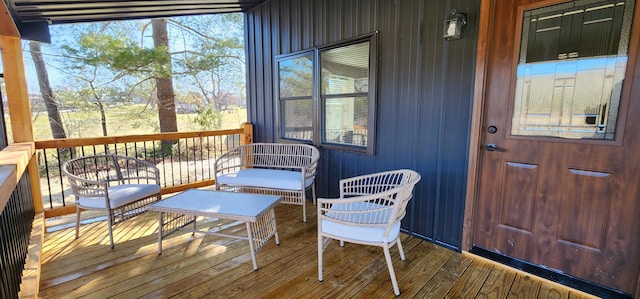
[
  {"x": 347, "y": 120},
  {"x": 573, "y": 59},
  {"x": 297, "y": 119},
  {"x": 345, "y": 69},
  {"x": 296, "y": 76}
]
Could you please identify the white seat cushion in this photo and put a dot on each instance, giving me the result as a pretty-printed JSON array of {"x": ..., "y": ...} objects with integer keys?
[
  {"x": 121, "y": 195},
  {"x": 360, "y": 233},
  {"x": 267, "y": 178},
  {"x": 368, "y": 212}
]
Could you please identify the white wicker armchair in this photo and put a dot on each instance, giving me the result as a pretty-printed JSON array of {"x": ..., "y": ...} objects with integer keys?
[
  {"x": 121, "y": 186},
  {"x": 368, "y": 212}
]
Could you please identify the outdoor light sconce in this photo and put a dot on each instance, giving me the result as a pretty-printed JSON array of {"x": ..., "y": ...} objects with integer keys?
[{"x": 453, "y": 25}]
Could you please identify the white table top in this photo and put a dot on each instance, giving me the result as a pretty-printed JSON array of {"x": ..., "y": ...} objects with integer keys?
[{"x": 222, "y": 204}]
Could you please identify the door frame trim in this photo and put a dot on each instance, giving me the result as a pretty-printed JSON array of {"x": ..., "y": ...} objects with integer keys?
[{"x": 486, "y": 21}]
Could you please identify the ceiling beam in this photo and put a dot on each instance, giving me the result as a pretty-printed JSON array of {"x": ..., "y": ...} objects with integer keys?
[{"x": 7, "y": 26}]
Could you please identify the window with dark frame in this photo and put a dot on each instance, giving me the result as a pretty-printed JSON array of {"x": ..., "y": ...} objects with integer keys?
[
  {"x": 326, "y": 96},
  {"x": 295, "y": 94}
]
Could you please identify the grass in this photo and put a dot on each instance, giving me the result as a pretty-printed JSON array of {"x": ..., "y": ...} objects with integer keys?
[{"x": 124, "y": 120}]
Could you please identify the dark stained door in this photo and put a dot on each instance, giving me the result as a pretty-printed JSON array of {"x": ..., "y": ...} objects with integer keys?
[{"x": 560, "y": 187}]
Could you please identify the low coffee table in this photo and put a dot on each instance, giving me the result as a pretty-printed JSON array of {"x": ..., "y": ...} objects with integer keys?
[{"x": 255, "y": 210}]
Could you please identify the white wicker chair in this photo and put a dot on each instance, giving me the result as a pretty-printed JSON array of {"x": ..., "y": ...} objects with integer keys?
[
  {"x": 368, "y": 212},
  {"x": 121, "y": 186}
]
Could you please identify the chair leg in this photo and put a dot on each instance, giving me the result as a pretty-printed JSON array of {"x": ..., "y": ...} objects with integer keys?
[
  {"x": 304, "y": 207},
  {"x": 387, "y": 256},
  {"x": 320, "y": 249},
  {"x": 313, "y": 192},
  {"x": 400, "y": 249},
  {"x": 110, "y": 226},
  {"x": 77, "y": 221}
]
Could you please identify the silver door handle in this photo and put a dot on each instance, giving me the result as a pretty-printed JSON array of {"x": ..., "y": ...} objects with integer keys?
[{"x": 493, "y": 148}]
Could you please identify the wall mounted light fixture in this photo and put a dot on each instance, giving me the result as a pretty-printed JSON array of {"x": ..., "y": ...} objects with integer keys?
[{"x": 453, "y": 25}]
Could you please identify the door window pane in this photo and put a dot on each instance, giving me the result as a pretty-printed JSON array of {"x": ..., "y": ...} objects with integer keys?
[{"x": 573, "y": 57}]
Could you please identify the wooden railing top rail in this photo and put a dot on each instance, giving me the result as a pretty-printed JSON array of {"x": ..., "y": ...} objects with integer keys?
[
  {"x": 14, "y": 160},
  {"x": 71, "y": 142}
]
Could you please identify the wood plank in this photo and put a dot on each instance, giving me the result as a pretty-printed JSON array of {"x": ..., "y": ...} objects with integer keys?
[
  {"x": 144, "y": 267},
  {"x": 548, "y": 290},
  {"x": 498, "y": 283},
  {"x": 376, "y": 274},
  {"x": 471, "y": 281},
  {"x": 524, "y": 287},
  {"x": 213, "y": 266},
  {"x": 421, "y": 264},
  {"x": 445, "y": 278}
]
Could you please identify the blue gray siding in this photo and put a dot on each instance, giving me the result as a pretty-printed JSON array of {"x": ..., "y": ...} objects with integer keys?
[{"x": 425, "y": 92}]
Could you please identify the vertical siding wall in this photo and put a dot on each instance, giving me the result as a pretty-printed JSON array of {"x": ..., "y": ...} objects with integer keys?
[{"x": 424, "y": 92}]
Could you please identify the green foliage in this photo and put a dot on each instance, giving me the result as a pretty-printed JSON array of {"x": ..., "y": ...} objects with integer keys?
[
  {"x": 119, "y": 54},
  {"x": 208, "y": 118}
]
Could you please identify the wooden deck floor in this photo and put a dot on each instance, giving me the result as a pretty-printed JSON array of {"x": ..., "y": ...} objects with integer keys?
[{"x": 218, "y": 267}]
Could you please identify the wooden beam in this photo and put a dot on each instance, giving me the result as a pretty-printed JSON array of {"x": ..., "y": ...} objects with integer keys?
[
  {"x": 72, "y": 142},
  {"x": 247, "y": 136},
  {"x": 60, "y": 211},
  {"x": 19, "y": 106},
  {"x": 7, "y": 27},
  {"x": 16, "y": 87}
]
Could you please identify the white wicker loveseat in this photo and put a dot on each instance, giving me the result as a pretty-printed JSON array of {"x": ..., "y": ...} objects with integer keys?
[
  {"x": 281, "y": 169},
  {"x": 121, "y": 186}
]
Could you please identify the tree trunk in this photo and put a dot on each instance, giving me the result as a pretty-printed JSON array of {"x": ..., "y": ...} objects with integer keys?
[
  {"x": 55, "y": 121},
  {"x": 164, "y": 85}
]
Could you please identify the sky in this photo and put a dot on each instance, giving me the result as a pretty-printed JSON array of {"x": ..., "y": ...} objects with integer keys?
[{"x": 67, "y": 34}]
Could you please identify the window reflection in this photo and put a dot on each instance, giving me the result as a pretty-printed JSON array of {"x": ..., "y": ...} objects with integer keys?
[
  {"x": 345, "y": 87},
  {"x": 296, "y": 76},
  {"x": 296, "y": 97},
  {"x": 573, "y": 57}
]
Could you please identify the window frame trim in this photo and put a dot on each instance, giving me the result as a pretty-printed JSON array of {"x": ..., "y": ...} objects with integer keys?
[
  {"x": 278, "y": 101},
  {"x": 318, "y": 121}
]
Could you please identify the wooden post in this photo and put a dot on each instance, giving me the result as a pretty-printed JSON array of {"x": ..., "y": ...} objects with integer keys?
[
  {"x": 247, "y": 136},
  {"x": 19, "y": 106}
]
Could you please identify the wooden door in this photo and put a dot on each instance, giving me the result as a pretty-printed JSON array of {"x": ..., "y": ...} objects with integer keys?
[{"x": 559, "y": 183}]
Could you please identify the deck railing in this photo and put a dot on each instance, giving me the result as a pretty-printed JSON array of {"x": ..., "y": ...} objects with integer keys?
[
  {"x": 185, "y": 160},
  {"x": 16, "y": 216}
]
